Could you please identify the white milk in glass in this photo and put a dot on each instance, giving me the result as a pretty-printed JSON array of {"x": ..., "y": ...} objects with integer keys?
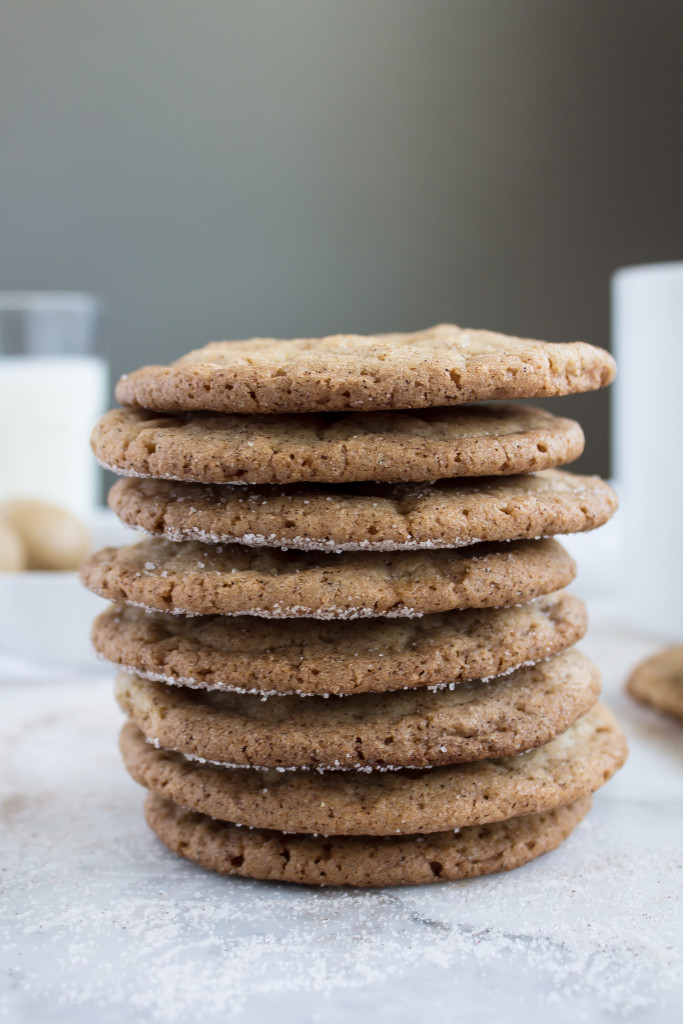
[{"x": 48, "y": 407}]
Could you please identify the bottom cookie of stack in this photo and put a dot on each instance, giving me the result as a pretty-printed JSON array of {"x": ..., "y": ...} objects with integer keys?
[
  {"x": 360, "y": 860},
  {"x": 380, "y": 827}
]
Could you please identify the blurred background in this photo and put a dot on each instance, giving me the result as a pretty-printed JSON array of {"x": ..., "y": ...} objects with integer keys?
[{"x": 226, "y": 168}]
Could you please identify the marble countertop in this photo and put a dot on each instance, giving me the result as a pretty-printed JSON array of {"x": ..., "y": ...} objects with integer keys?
[{"x": 99, "y": 922}]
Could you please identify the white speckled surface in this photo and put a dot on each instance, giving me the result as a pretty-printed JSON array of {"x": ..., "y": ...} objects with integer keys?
[{"x": 99, "y": 922}]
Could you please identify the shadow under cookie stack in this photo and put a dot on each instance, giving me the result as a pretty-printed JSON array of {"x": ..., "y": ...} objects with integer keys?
[{"x": 345, "y": 650}]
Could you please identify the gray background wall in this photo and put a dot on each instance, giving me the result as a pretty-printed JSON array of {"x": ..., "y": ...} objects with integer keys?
[{"x": 223, "y": 168}]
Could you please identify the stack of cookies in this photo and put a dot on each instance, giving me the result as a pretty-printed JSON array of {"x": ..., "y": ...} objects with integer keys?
[{"x": 345, "y": 651}]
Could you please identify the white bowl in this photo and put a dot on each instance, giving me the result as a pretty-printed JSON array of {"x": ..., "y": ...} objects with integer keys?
[{"x": 47, "y": 616}]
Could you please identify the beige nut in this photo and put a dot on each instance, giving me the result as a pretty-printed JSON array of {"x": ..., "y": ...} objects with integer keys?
[
  {"x": 12, "y": 552},
  {"x": 52, "y": 538}
]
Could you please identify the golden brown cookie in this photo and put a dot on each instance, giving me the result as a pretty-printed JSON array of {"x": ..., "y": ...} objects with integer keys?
[
  {"x": 658, "y": 681},
  {"x": 442, "y": 365},
  {"x": 361, "y": 860},
  {"x": 571, "y": 766},
  {"x": 408, "y": 728},
  {"x": 335, "y": 448},
  {"x": 217, "y": 579},
  {"x": 301, "y": 656},
  {"x": 370, "y": 517}
]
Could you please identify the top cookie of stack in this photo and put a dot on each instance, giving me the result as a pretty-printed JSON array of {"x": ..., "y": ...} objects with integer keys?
[
  {"x": 351, "y": 478},
  {"x": 444, "y": 365}
]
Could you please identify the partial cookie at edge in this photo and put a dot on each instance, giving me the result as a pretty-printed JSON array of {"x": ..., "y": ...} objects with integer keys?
[{"x": 658, "y": 681}]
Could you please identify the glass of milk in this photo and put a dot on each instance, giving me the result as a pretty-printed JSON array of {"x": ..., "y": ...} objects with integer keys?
[{"x": 53, "y": 386}]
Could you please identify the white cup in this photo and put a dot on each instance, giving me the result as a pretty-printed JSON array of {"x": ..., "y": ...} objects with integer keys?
[{"x": 647, "y": 442}]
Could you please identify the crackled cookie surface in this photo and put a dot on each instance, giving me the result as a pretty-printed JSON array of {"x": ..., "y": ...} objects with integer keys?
[
  {"x": 408, "y": 728},
  {"x": 217, "y": 579},
  {"x": 305, "y": 656},
  {"x": 371, "y": 517},
  {"x": 335, "y": 448},
  {"x": 442, "y": 365},
  {"x": 361, "y": 860},
  {"x": 569, "y": 767}
]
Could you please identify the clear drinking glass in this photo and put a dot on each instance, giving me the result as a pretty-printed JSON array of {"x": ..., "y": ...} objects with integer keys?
[{"x": 53, "y": 386}]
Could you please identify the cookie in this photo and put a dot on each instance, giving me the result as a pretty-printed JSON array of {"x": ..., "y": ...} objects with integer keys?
[
  {"x": 301, "y": 656},
  {"x": 443, "y": 365},
  {"x": 361, "y": 860},
  {"x": 408, "y": 728},
  {"x": 335, "y": 448},
  {"x": 384, "y": 803},
  {"x": 217, "y": 579},
  {"x": 370, "y": 517},
  {"x": 659, "y": 681}
]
